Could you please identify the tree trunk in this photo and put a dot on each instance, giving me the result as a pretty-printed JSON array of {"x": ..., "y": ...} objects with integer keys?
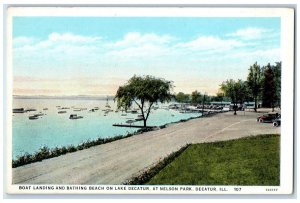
[
  {"x": 255, "y": 103},
  {"x": 145, "y": 123}
]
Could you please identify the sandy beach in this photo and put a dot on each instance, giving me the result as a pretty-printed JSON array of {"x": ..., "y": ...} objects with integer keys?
[{"x": 116, "y": 162}]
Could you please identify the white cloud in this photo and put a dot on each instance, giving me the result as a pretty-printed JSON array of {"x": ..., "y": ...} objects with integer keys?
[
  {"x": 250, "y": 33},
  {"x": 208, "y": 43},
  {"x": 54, "y": 40},
  {"x": 69, "y": 37},
  {"x": 137, "y": 39},
  {"x": 264, "y": 56},
  {"x": 21, "y": 41}
]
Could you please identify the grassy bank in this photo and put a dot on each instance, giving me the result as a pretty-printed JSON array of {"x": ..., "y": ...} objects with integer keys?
[
  {"x": 246, "y": 161},
  {"x": 46, "y": 153}
]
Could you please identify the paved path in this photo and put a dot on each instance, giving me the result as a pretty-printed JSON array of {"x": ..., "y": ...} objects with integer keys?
[{"x": 115, "y": 162}]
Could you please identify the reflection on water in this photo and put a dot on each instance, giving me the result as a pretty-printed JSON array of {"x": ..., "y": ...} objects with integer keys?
[{"x": 56, "y": 129}]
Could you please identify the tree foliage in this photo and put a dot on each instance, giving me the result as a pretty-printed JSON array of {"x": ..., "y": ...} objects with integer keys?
[
  {"x": 196, "y": 97},
  {"x": 144, "y": 92},
  {"x": 269, "y": 88},
  {"x": 254, "y": 82},
  {"x": 277, "y": 78},
  {"x": 236, "y": 90},
  {"x": 182, "y": 97}
]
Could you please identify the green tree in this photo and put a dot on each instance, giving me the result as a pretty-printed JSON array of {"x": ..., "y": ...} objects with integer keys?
[
  {"x": 196, "y": 97},
  {"x": 234, "y": 90},
  {"x": 182, "y": 98},
  {"x": 144, "y": 92},
  {"x": 220, "y": 96},
  {"x": 277, "y": 78},
  {"x": 269, "y": 88},
  {"x": 254, "y": 82}
]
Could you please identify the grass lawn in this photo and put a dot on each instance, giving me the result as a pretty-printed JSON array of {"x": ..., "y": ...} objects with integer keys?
[{"x": 246, "y": 161}]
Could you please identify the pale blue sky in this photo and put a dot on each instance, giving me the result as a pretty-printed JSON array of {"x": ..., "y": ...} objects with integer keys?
[{"x": 93, "y": 56}]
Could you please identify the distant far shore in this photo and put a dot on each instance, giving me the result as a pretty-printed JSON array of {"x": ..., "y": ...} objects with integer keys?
[{"x": 87, "y": 97}]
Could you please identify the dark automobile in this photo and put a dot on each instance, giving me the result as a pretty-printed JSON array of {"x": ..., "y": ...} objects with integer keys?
[
  {"x": 277, "y": 121},
  {"x": 267, "y": 118}
]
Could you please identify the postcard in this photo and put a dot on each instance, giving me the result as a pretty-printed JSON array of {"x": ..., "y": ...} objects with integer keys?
[{"x": 149, "y": 100}]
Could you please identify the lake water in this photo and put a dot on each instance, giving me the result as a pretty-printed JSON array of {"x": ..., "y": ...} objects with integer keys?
[{"x": 57, "y": 130}]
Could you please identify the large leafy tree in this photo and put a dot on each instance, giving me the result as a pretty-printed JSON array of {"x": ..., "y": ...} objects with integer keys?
[
  {"x": 144, "y": 92},
  {"x": 277, "y": 78},
  {"x": 269, "y": 88},
  {"x": 254, "y": 82},
  {"x": 236, "y": 90}
]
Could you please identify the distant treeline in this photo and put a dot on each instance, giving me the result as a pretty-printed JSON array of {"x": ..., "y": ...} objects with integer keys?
[{"x": 263, "y": 86}]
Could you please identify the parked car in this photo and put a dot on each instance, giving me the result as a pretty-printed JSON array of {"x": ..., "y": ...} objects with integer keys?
[
  {"x": 267, "y": 118},
  {"x": 277, "y": 121}
]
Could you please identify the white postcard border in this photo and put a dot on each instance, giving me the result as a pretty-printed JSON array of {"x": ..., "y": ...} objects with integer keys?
[{"x": 287, "y": 57}]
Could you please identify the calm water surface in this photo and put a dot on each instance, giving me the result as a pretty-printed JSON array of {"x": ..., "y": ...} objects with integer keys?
[{"x": 57, "y": 130}]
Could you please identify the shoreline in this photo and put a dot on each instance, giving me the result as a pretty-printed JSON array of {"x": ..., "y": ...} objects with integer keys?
[
  {"x": 47, "y": 153},
  {"x": 118, "y": 161}
]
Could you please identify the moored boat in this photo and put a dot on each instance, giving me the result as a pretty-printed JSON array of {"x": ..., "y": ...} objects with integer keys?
[
  {"x": 39, "y": 114},
  {"x": 30, "y": 109},
  {"x": 19, "y": 110},
  {"x": 75, "y": 116},
  {"x": 34, "y": 117},
  {"x": 130, "y": 121}
]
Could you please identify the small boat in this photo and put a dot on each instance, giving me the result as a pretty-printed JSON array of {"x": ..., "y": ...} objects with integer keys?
[
  {"x": 116, "y": 111},
  {"x": 57, "y": 106},
  {"x": 92, "y": 110},
  {"x": 123, "y": 114},
  {"x": 74, "y": 116},
  {"x": 65, "y": 108},
  {"x": 19, "y": 110},
  {"x": 34, "y": 117},
  {"x": 155, "y": 107},
  {"x": 130, "y": 121},
  {"x": 96, "y": 108},
  {"x": 132, "y": 111},
  {"x": 76, "y": 109},
  {"x": 138, "y": 119},
  {"x": 39, "y": 114},
  {"x": 30, "y": 109},
  {"x": 60, "y": 112},
  {"x": 45, "y": 109}
]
